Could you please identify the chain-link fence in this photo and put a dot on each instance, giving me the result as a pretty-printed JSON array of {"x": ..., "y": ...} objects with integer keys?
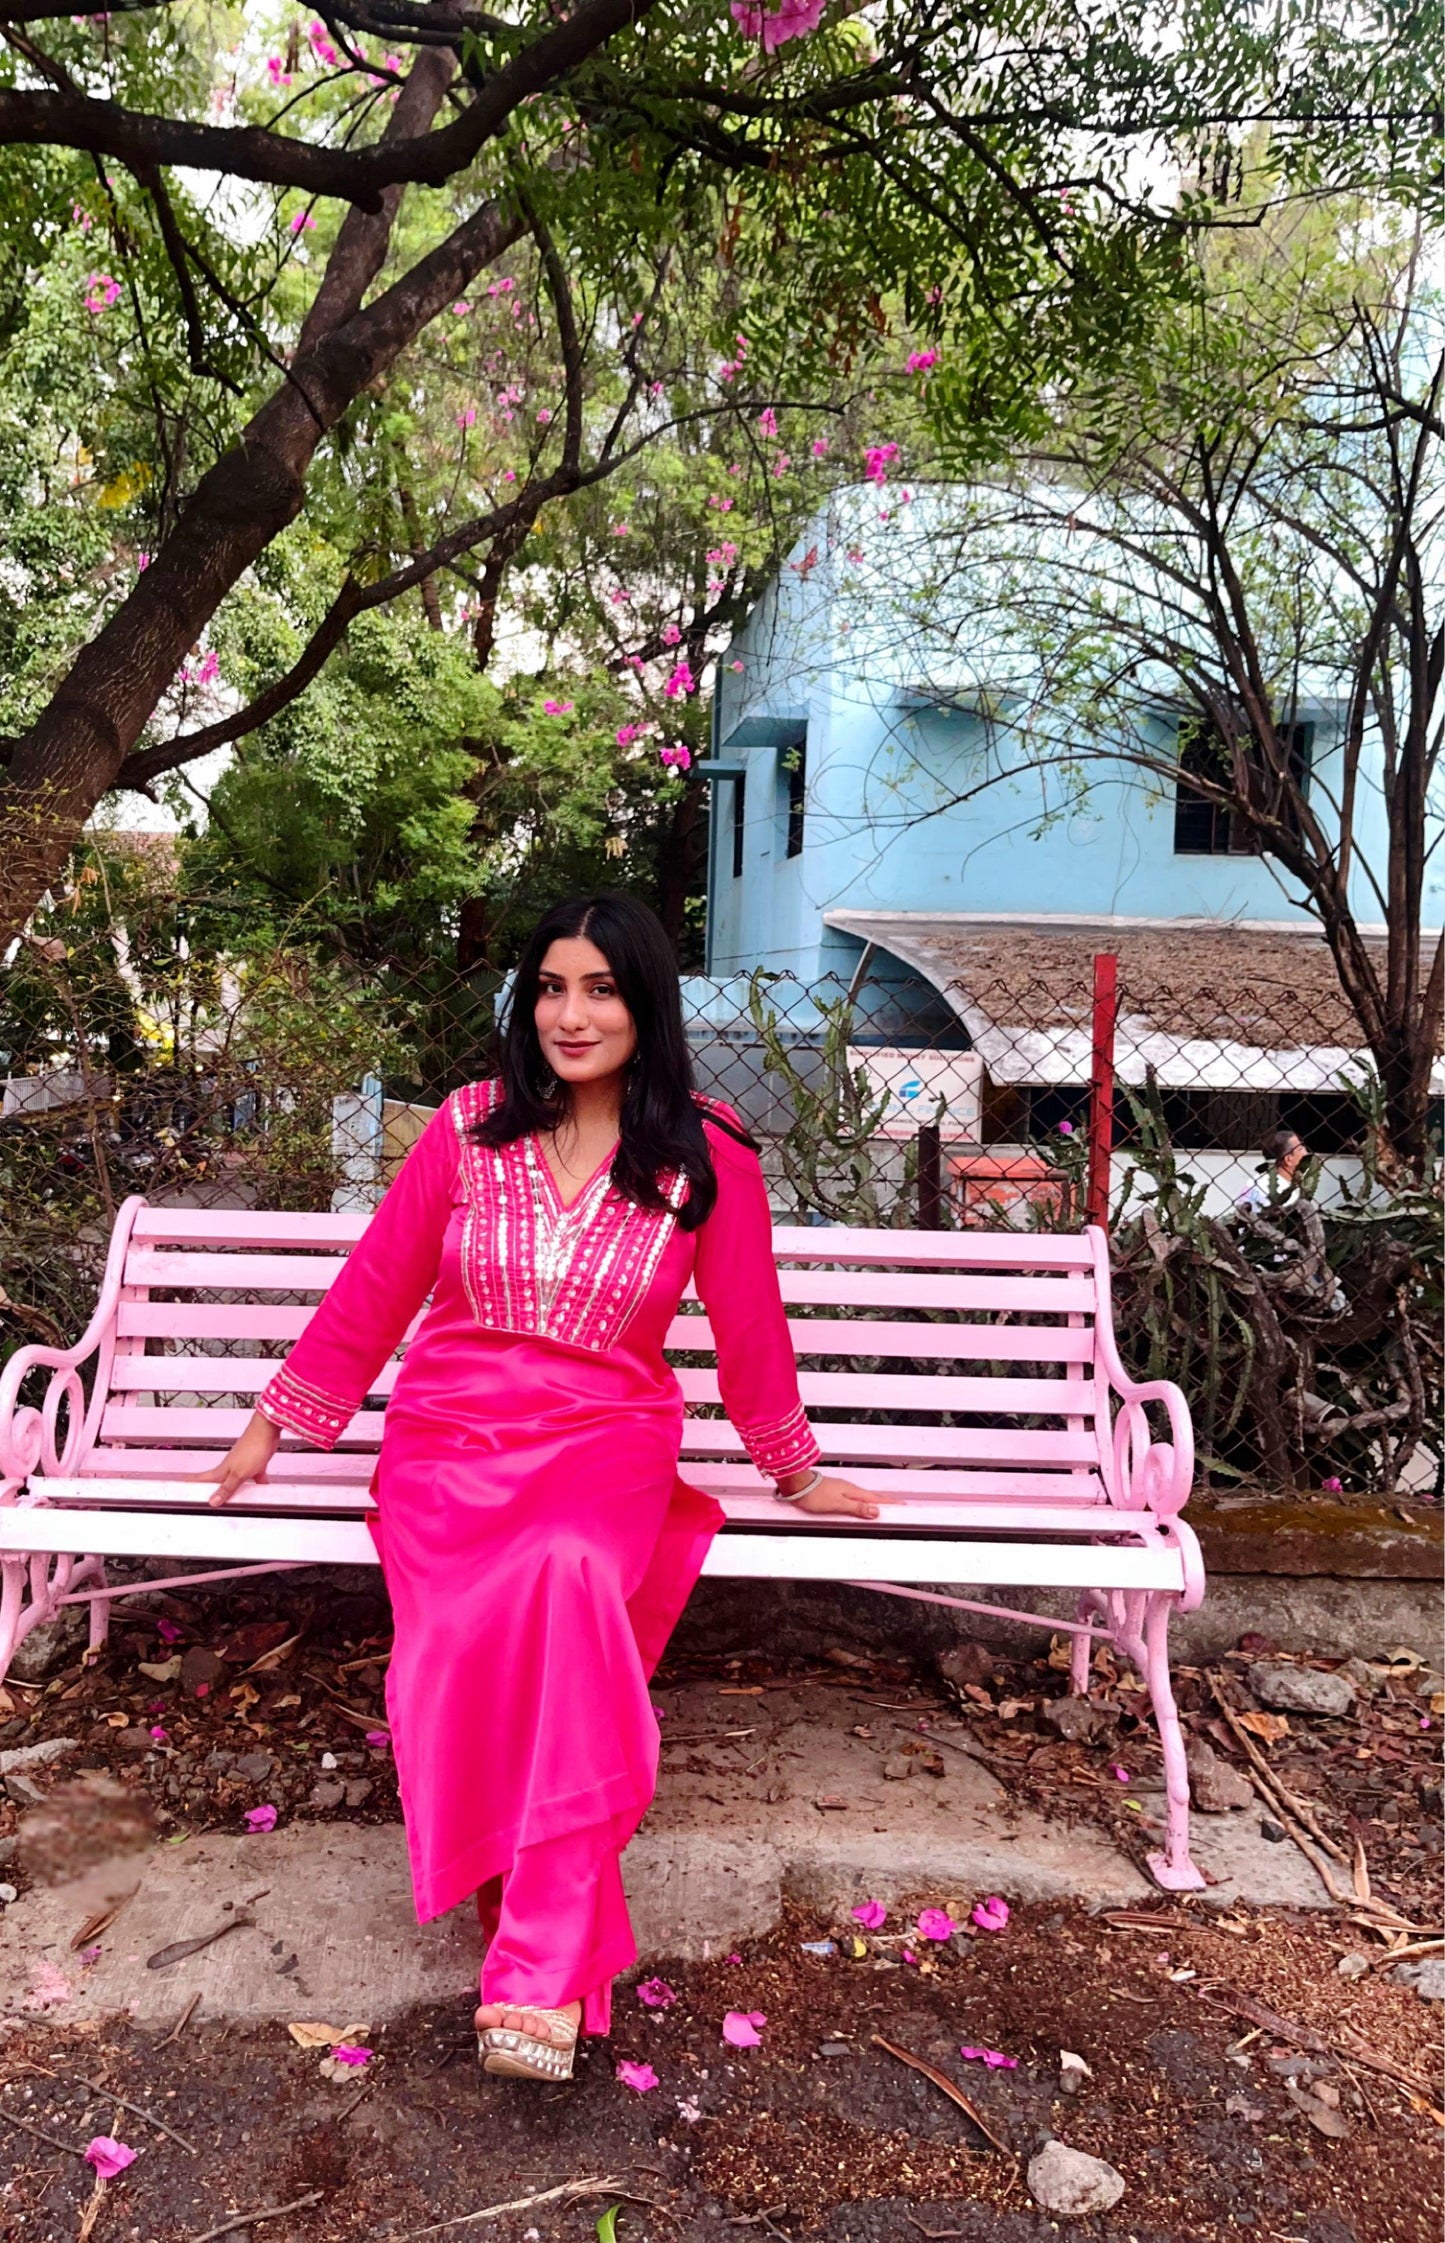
[{"x": 1263, "y": 1254}]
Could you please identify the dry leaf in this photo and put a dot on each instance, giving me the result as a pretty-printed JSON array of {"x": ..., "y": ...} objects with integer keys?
[
  {"x": 1332, "y": 2124},
  {"x": 160, "y": 1670},
  {"x": 7, "y": 1703},
  {"x": 273, "y": 1658},
  {"x": 308, "y": 2034},
  {"x": 243, "y": 1696},
  {"x": 117, "y": 1721},
  {"x": 1270, "y": 1726}
]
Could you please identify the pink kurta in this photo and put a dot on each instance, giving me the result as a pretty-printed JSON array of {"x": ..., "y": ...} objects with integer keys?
[{"x": 537, "y": 1542}]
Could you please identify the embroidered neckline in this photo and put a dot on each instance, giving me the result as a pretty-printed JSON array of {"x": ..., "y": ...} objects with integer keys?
[{"x": 530, "y": 1263}]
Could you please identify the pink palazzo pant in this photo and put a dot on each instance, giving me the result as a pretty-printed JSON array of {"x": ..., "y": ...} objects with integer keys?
[{"x": 557, "y": 1927}]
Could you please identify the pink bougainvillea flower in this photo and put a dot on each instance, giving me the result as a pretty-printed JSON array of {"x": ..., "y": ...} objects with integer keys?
[
  {"x": 767, "y": 422},
  {"x": 168, "y": 1631},
  {"x": 1332, "y": 1487},
  {"x": 557, "y": 708},
  {"x": 108, "y": 2156},
  {"x": 348, "y": 2052},
  {"x": 393, "y": 62},
  {"x": 820, "y": 447},
  {"x": 638, "y": 2076},
  {"x": 101, "y": 291},
  {"x": 679, "y": 757},
  {"x": 509, "y": 475},
  {"x": 855, "y": 554},
  {"x": 740, "y": 2028},
  {"x": 467, "y": 417},
  {"x": 1066, "y": 1129},
  {"x": 733, "y": 1958},
  {"x": 781, "y": 465},
  {"x": 991, "y": 1914},
  {"x": 734, "y": 665},
  {"x": 909, "y": 1956},
  {"x": 877, "y": 461},
  {"x": 722, "y": 556},
  {"x": 689, "y": 2108},
  {"x": 922, "y": 361},
  {"x": 159, "y": 1736},
  {"x": 321, "y": 46},
  {"x": 89, "y": 1955},
  {"x": 460, "y": 308},
  {"x": 792, "y": 19},
  {"x": 936, "y": 1923},
  {"x": 871, "y": 1914},
  {"x": 671, "y": 635},
  {"x": 621, "y": 529},
  {"x": 276, "y": 71},
  {"x": 682, "y": 681},
  {"x": 655, "y": 1993},
  {"x": 378, "y": 1737},
  {"x": 261, "y": 1818},
  {"x": 203, "y": 1689},
  {"x": 143, "y": 562},
  {"x": 303, "y": 223},
  {"x": 1119, "y": 1774},
  {"x": 544, "y": 416},
  {"x": 993, "y": 2057}
]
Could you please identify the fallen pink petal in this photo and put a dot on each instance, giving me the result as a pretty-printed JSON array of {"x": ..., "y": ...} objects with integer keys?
[
  {"x": 378, "y": 1737},
  {"x": 991, "y": 1914},
  {"x": 936, "y": 1923},
  {"x": 993, "y": 2057},
  {"x": 872, "y": 1915},
  {"x": 740, "y": 2028},
  {"x": 638, "y": 2076},
  {"x": 108, "y": 2156},
  {"x": 261, "y": 1818},
  {"x": 655, "y": 1993},
  {"x": 1120, "y": 1774},
  {"x": 348, "y": 2052}
]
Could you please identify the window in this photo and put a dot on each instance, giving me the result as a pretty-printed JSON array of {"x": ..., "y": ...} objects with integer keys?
[
  {"x": 1203, "y": 828},
  {"x": 794, "y": 766},
  {"x": 740, "y": 813}
]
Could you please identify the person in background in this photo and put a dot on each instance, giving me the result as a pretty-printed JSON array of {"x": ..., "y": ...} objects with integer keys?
[{"x": 1285, "y": 1151}]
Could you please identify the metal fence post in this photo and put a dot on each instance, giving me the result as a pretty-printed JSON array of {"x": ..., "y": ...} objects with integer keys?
[
  {"x": 1101, "y": 1087},
  {"x": 930, "y": 1177}
]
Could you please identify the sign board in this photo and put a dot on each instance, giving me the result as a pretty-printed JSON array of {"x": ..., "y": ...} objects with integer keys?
[{"x": 915, "y": 1081}]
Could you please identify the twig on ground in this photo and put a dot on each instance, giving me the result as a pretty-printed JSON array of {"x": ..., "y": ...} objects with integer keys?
[
  {"x": 955, "y": 2094},
  {"x": 264, "y": 2212},
  {"x": 181, "y": 2022},
  {"x": 934, "y": 2234},
  {"x": 98, "y": 2087},
  {"x": 72, "y": 2149},
  {"x": 600, "y": 2185}
]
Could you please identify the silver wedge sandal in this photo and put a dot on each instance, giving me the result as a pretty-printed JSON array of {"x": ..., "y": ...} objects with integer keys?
[{"x": 516, "y": 2055}]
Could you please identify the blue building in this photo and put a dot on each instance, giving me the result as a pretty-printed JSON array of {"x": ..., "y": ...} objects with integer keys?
[{"x": 862, "y": 840}]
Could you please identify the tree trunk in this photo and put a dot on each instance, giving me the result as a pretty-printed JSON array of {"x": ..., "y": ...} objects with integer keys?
[{"x": 70, "y": 757}]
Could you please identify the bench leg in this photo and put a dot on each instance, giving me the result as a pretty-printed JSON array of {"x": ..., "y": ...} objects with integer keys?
[
  {"x": 1083, "y": 1646},
  {"x": 48, "y": 1579},
  {"x": 1172, "y": 1869}
]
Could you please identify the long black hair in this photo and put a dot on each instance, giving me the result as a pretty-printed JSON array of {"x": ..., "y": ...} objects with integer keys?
[{"x": 661, "y": 1126}]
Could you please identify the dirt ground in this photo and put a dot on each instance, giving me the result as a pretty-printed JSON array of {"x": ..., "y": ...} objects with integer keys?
[
  {"x": 819, "y": 2132},
  {"x": 1241, "y": 2084}
]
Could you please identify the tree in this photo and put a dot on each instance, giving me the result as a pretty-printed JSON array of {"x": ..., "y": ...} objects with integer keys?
[
  {"x": 985, "y": 173},
  {"x": 1218, "y": 569}
]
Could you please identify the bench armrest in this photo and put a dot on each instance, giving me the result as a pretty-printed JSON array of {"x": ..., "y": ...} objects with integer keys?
[
  {"x": 29, "y": 1438},
  {"x": 1147, "y": 1475}
]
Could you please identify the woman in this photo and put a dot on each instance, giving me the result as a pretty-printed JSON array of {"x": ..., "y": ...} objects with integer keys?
[{"x": 536, "y": 1540}]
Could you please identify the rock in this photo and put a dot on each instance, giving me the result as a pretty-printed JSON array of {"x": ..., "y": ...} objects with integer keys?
[
  {"x": 1078, "y": 1720},
  {"x": 51, "y": 1644},
  {"x": 201, "y": 1669},
  {"x": 255, "y": 1767},
  {"x": 897, "y": 1767},
  {"x": 965, "y": 1663},
  {"x": 1073, "y": 2072},
  {"x": 1215, "y": 1787},
  {"x": 327, "y": 1794},
  {"x": 9, "y": 1847},
  {"x": 358, "y": 1791},
  {"x": 1274, "y": 1831},
  {"x": 1071, "y": 2184},
  {"x": 1301, "y": 1689},
  {"x": 1256, "y": 1646},
  {"x": 23, "y": 1789},
  {"x": 81, "y": 1824},
  {"x": 7, "y": 1894},
  {"x": 133, "y": 1740},
  {"x": 1239, "y": 2106},
  {"x": 1353, "y": 1966},
  {"x": 35, "y": 1756},
  {"x": 1427, "y": 1977},
  {"x": 1363, "y": 1679}
]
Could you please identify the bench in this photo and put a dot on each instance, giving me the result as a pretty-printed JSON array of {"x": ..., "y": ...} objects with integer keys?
[{"x": 974, "y": 1374}]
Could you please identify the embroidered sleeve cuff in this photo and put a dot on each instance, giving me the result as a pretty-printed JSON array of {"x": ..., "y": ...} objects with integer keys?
[
  {"x": 319, "y": 1418},
  {"x": 787, "y": 1445}
]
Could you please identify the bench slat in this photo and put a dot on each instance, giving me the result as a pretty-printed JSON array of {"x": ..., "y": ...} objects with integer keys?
[
  {"x": 823, "y": 1552},
  {"x": 811, "y": 1335},
  {"x": 819, "y": 1390},
  {"x": 961, "y": 1444},
  {"x": 830, "y": 1288},
  {"x": 748, "y": 1505},
  {"x": 267, "y": 1228}
]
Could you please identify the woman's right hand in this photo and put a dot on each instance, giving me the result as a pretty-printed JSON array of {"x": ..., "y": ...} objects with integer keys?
[{"x": 248, "y": 1460}]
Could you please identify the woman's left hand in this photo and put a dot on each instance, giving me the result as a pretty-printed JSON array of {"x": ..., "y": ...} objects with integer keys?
[{"x": 840, "y": 1498}]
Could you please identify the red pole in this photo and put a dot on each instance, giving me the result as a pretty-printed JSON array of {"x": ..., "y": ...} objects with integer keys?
[{"x": 1101, "y": 1087}]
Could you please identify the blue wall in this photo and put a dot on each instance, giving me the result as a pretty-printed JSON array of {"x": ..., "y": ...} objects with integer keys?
[{"x": 897, "y": 817}]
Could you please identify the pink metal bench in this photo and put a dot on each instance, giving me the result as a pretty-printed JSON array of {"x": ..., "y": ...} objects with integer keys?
[{"x": 1044, "y": 1475}]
